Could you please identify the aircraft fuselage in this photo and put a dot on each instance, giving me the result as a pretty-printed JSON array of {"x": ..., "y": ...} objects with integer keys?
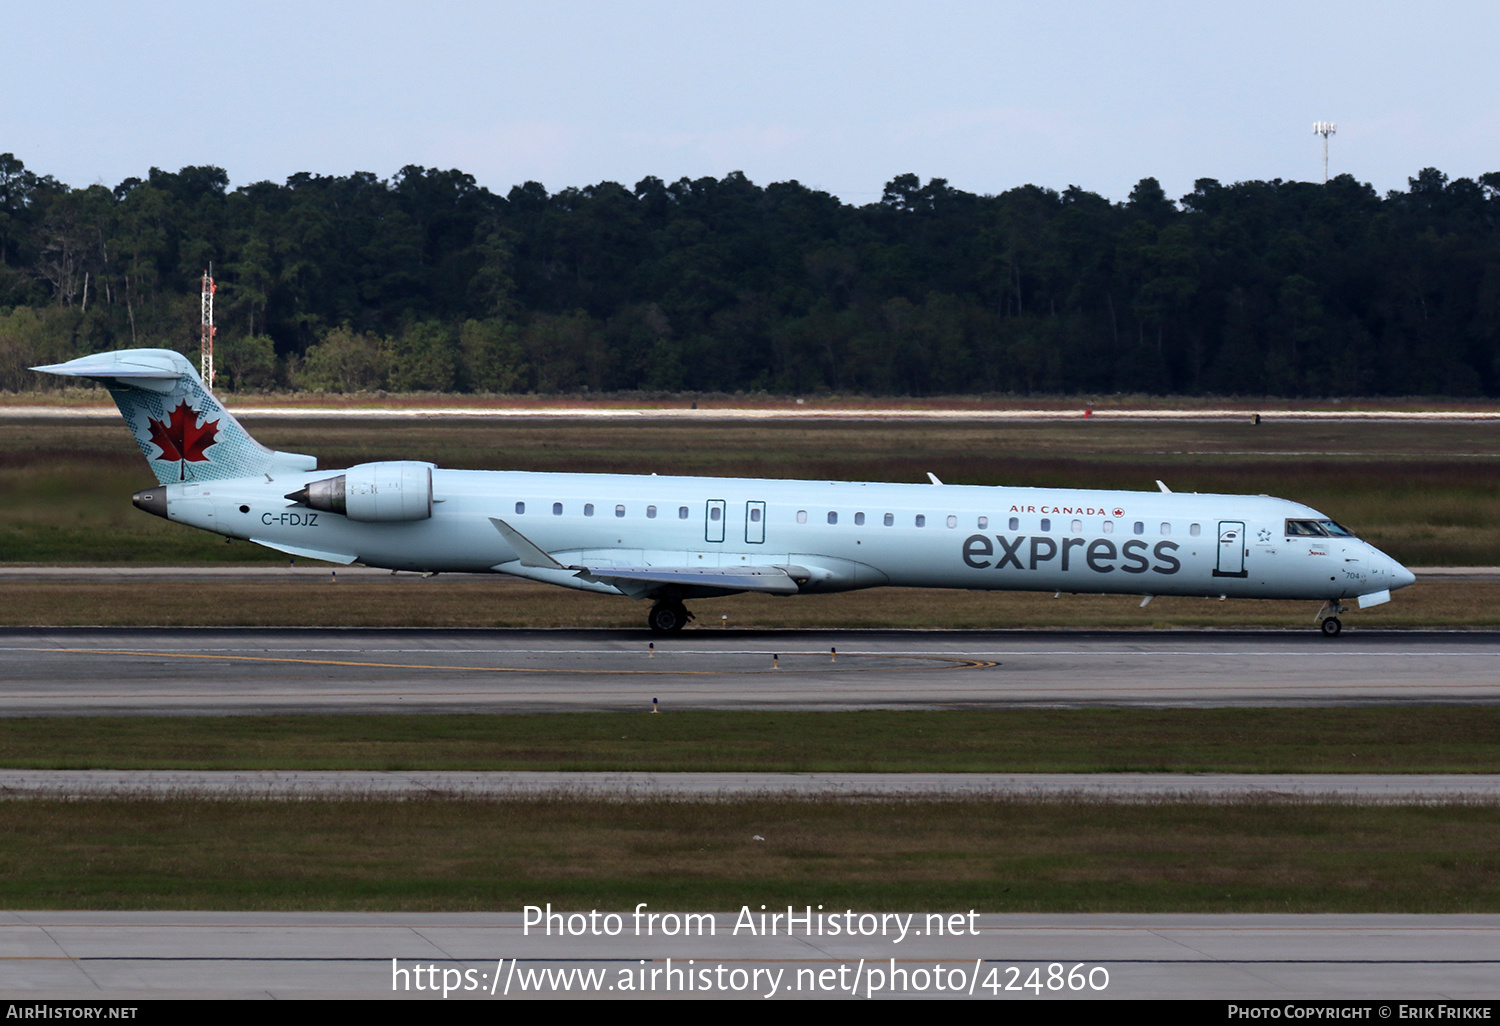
[{"x": 846, "y": 534}]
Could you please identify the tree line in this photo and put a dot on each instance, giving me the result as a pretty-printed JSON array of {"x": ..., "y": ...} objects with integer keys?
[{"x": 427, "y": 281}]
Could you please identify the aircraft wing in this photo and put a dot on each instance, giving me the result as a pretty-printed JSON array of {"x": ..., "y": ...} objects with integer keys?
[{"x": 772, "y": 580}]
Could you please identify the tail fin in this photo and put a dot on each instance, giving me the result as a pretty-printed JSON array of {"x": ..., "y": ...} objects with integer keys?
[{"x": 183, "y": 431}]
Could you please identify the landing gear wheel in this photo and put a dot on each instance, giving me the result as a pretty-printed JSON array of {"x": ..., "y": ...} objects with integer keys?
[
  {"x": 668, "y": 617},
  {"x": 1331, "y": 627}
]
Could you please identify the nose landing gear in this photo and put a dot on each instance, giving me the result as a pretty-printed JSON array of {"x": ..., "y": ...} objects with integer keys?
[
  {"x": 668, "y": 617},
  {"x": 1328, "y": 618}
]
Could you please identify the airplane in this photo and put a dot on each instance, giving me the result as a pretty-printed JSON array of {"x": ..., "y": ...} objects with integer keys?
[{"x": 671, "y": 539}]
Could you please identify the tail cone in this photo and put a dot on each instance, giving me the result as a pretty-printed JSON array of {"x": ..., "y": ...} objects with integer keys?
[{"x": 152, "y": 500}]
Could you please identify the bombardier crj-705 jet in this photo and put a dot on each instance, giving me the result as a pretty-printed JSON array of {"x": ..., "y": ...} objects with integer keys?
[{"x": 670, "y": 539}]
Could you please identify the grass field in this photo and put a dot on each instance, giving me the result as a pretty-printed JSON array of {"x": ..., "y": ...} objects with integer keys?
[
  {"x": 1007, "y": 856},
  {"x": 1421, "y": 491},
  {"x": 1407, "y": 739}
]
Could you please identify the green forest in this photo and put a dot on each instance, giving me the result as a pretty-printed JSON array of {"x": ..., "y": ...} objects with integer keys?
[{"x": 428, "y": 282}]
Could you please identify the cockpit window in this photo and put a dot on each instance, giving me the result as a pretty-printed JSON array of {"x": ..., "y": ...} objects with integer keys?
[{"x": 1316, "y": 529}]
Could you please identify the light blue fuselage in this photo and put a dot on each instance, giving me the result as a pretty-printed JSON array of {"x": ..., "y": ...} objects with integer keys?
[{"x": 996, "y": 538}]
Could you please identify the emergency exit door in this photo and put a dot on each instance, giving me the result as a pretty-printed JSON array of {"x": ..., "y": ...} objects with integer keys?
[
  {"x": 755, "y": 523},
  {"x": 713, "y": 520}
]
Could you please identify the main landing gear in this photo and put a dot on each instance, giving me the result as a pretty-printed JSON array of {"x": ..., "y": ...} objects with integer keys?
[
  {"x": 1328, "y": 617},
  {"x": 668, "y": 617}
]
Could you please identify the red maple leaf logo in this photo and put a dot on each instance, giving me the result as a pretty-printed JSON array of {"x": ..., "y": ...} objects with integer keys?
[{"x": 179, "y": 439}]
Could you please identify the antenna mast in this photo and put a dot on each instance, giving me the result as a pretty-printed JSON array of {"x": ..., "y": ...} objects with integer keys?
[
  {"x": 206, "y": 360},
  {"x": 1325, "y": 129}
]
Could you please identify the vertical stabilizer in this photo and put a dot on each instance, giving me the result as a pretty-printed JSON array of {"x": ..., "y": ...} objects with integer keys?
[{"x": 183, "y": 431}]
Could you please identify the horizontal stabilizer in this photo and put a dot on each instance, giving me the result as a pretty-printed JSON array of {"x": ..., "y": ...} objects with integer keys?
[{"x": 138, "y": 364}]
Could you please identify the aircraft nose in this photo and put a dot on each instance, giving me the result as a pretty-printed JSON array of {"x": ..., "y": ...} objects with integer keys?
[{"x": 1400, "y": 576}]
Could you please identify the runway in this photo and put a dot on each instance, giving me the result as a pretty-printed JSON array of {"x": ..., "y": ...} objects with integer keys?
[
  {"x": 91, "y": 671},
  {"x": 140, "y": 955}
]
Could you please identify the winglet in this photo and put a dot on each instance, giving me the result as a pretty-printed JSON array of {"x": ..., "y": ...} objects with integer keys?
[
  {"x": 1163, "y": 487},
  {"x": 529, "y": 553},
  {"x": 933, "y": 478}
]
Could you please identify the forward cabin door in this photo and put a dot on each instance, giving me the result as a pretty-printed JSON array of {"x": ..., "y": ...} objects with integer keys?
[
  {"x": 713, "y": 520},
  {"x": 1231, "y": 549},
  {"x": 755, "y": 523}
]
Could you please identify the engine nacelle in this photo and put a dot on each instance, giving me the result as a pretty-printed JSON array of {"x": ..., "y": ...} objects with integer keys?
[{"x": 399, "y": 490}]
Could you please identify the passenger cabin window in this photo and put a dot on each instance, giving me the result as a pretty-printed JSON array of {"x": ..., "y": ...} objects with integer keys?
[
  {"x": 1139, "y": 528},
  {"x": 619, "y": 511},
  {"x": 859, "y": 520},
  {"x": 755, "y": 515},
  {"x": 1046, "y": 524},
  {"x": 1195, "y": 530},
  {"x": 952, "y": 520},
  {"x": 1109, "y": 527},
  {"x": 802, "y": 516},
  {"x": 650, "y": 512},
  {"x": 833, "y": 517},
  {"x": 1166, "y": 528},
  {"x": 520, "y": 507},
  {"x": 921, "y": 520},
  {"x": 890, "y": 518},
  {"x": 1015, "y": 523},
  {"x": 557, "y": 509},
  {"x": 984, "y": 523},
  {"x": 682, "y": 513},
  {"x": 714, "y": 513},
  {"x": 1078, "y": 527},
  {"x": 588, "y": 509}
]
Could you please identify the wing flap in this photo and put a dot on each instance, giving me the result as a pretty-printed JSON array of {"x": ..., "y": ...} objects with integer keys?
[
  {"x": 343, "y": 558},
  {"x": 770, "y": 580}
]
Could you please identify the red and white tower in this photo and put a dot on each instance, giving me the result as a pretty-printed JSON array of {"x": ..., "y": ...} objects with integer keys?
[{"x": 206, "y": 366}]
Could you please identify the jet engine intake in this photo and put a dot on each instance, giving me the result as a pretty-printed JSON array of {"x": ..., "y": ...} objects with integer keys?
[{"x": 399, "y": 490}]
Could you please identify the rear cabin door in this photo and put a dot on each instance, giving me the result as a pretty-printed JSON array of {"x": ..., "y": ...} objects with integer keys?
[{"x": 1231, "y": 549}]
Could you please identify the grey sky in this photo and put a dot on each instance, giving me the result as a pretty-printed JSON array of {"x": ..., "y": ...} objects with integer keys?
[{"x": 841, "y": 96}]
